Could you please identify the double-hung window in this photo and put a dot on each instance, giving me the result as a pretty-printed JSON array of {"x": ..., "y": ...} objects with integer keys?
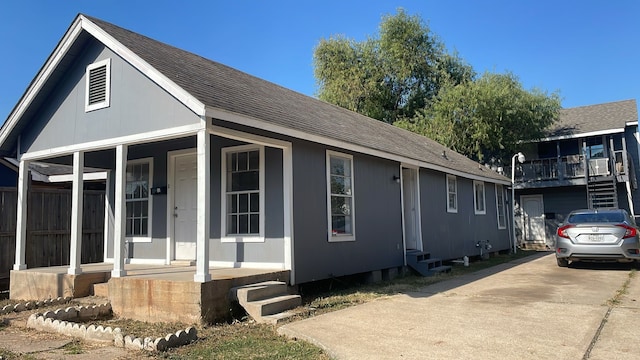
[
  {"x": 243, "y": 193},
  {"x": 452, "y": 194},
  {"x": 340, "y": 199},
  {"x": 478, "y": 198},
  {"x": 501, "y": 208},
  {"x": 138, "y": 201}
]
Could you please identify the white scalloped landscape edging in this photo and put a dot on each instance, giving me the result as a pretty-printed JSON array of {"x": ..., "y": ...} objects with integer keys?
[
  {"x": 30, "y": 305},
  {"x": 58, "y": 321}
]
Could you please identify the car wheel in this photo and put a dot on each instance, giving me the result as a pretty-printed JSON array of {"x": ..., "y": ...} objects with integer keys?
[{"x": 562, "y": 262}]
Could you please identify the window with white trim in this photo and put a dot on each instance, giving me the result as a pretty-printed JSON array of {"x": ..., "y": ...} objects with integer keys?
[
  {"x": 340, "y": 198},
  {"x": 478, "y": 198},
  {"x": 452, "y": 194},
  {"x": 137, "y": 199},
  {"x": 98, "y": 85},
  {"x": 243, "y": 193},
  {"x": 501, "y": 207}
]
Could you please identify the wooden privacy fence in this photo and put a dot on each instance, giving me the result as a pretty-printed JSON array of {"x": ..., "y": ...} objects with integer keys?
[{"x": 49, "y": 228}]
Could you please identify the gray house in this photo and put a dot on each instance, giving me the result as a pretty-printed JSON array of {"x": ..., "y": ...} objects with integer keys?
[
  {"x": 211, "y": 166},
  {"x": 589, "y": 159}
]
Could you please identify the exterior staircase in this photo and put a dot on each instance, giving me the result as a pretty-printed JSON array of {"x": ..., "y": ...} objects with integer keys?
[
  {"x": 602, "y": 193},
  {"x": 267, "y": 302},
  {"x": 424, "y": 264}
]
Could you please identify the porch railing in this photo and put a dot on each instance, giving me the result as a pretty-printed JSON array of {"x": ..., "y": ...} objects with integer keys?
[{"x": 571, "y": 167}]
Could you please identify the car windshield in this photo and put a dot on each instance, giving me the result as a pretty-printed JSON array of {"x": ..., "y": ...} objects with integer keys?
[{"x": 611, "y": 217}]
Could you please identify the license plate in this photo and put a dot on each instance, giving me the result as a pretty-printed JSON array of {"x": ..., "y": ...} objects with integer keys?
[{"x": 595, "y": 238}]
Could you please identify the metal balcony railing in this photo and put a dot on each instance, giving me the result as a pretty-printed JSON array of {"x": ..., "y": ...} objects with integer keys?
[{"x": 570, "y": 167}]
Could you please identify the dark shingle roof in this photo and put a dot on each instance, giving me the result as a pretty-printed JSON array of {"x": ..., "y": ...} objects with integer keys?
[
  {"x": 222, "y": 87},
  {"x": 601, "y": 117}
]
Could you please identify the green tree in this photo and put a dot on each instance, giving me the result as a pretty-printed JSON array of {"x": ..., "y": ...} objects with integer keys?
[
  {"x": 406, "y": 77},
  {"x": 486, "y": 118},
  {"x": 388, "y": 77}
]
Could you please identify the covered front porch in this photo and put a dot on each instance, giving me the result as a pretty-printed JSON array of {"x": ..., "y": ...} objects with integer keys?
[
  {"x": 178, "y": 180},
  {"x": 153, "y": 293}
]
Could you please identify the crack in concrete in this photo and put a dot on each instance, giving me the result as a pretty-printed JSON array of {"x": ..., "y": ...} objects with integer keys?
[{"x": 596, "y": 336}]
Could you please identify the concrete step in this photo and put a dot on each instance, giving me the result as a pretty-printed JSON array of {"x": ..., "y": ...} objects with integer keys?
[
  {"x": 101, "y": 289},
  {"x": 266, "y": 302},
  {"x": 274, "y": 305},
  {"x": 259, "y": 291}
]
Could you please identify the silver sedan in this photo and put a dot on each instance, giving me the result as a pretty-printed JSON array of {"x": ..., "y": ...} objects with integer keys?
[{"x": 597, "y": 235}]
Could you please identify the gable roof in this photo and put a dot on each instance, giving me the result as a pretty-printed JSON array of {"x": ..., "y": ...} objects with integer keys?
[
  {"x": 594, "y": 119},
  {"x": 215, "y": 90}
]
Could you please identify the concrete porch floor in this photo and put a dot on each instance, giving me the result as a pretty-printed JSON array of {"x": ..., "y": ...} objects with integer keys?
[{"x": 154, "y": 293}]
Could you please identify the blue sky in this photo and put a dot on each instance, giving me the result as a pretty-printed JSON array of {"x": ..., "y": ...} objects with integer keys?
[{"x": 587, "y": 50}]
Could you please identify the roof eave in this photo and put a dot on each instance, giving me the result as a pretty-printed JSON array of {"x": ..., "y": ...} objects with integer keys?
[
  {"x": 217, "y": 113},
  {"x": 579, "y": 135}
]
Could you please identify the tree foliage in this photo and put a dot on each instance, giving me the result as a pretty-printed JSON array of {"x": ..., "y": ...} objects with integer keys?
[
  {"x": 388, "y": 77},
  {"x": 486, "y": 118},
  {"x": 405, "y": 76}
]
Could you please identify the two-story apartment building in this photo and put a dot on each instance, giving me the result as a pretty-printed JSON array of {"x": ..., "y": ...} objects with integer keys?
[{"x": 590, "y": 159}]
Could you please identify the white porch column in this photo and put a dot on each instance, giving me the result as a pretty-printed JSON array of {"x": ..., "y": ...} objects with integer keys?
[
  {"x": 120, "y": 211},
  {"x": 77, "y": 197},
  {"x": 287, "y": 190},
  {"x": 21, "y": 220},
  {"x": 203, "y": 203}
]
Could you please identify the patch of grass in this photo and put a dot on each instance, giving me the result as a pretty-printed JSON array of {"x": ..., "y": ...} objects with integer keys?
[
  {"x": 245, "y": 340},
  {"x": 9, "y": 355},
  {"x": 143, "y": 329},
  {"x": 617, "y": 298},
  {"x": 73, "y": 348}
]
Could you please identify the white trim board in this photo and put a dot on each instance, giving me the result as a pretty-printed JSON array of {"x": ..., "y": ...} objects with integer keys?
[
  {"x": 102, "y": 175},
  {"x": 165, "y": 134},
  {"x": 580, "y": 135}
]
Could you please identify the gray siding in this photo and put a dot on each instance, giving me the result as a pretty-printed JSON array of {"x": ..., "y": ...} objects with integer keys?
[
  {"x": 454, "y": 235},
  {"x": 137, "y": 106},
  {"x": 378, "y": 223}
]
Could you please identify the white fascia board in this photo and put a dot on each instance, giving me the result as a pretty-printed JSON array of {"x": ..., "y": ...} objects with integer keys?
[
  {"x": 41, "y": 78},
  {"x": 152, "y": 136},
  {"x": 137, "y": 62},
  {"x": 257, "y": 123},
  {"x": 631, "y": 123},
  {"x": 577, "y": 136}
]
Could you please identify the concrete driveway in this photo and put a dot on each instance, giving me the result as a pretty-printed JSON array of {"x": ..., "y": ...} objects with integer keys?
[{"x": 528, "y": 309}]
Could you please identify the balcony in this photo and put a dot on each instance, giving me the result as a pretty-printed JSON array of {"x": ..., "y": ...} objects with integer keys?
[{"x": 570, "y": 170}]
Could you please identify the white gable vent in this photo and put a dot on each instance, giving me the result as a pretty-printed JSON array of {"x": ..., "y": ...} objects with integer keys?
[{"x": 98, "y": 85}]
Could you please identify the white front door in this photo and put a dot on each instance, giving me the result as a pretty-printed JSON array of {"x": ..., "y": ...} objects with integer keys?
[
  {"x": 533, "y": 218},
  {"x": 410, "y": 209},
  {"x": 185, "y": 206}
]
